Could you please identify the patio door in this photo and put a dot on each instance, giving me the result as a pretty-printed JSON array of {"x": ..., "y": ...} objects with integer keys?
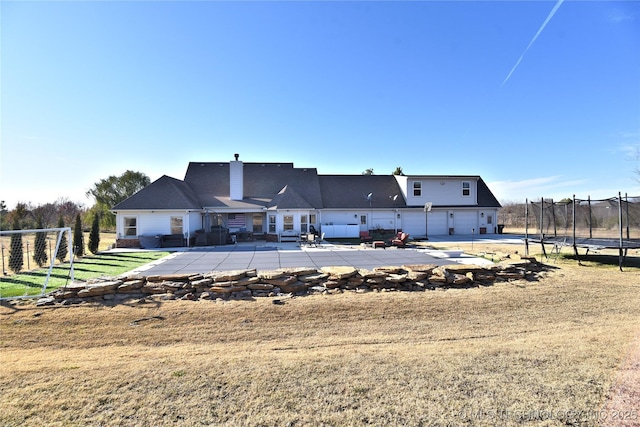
[
  {"x": 363, "y": 220},
  {"x": 256, "y": 221}
]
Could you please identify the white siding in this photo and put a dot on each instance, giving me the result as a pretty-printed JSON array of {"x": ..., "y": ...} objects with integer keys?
[
  {"x": 340, "y": 230},
  {"x": 340, "y": 217},
  {"x": 442, "y": 191},
  {"x": 160, "y": 222},
  {"x": 386, "y": 220},
  {"x": 375, "y": 219},
  {"x": 193, "y": 222},
  {"x": 154, "y": 223},
  {"x": 485, "y": 214}
]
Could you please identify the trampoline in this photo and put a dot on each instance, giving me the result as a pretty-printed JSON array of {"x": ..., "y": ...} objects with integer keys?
[{"x": 591, "y": 224}]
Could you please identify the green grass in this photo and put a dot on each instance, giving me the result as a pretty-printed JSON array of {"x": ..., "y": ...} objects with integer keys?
[
  {"x": 603, "y": 258},
  {"x": 112, "y": 264}
]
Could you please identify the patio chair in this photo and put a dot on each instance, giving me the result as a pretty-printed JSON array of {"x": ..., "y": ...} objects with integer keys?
[
  {"x": 316, "y": 240},
  {"x": 400, "y": 240}
]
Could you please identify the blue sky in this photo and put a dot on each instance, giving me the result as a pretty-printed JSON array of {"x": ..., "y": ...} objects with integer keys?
[{"x": 539, "y": 98}]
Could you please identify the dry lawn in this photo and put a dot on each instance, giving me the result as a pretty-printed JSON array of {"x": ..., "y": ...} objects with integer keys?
[{"x": 520, "y": 353}]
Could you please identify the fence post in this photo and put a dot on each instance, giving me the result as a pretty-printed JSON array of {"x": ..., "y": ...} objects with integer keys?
[
  {"x": 590, "y": 218},
  {"x": 526, "y": 226},
  {"x": 553, "y": 216},
  {"x": 620, "y": 256},
  {"x": 626, "y": 207},
  {"x": 574, "y": 222}
]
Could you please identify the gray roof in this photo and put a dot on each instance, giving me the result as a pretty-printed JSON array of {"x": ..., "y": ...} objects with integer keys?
[
  {"x": 163, "y": 193},
  {"x": 262, "y": 183},
  {"x": 351, "y": 191},
  {"x": 289, "y": 198},
  {"x": 486, "y": 197},
  {"x": 275, "y": 185}
]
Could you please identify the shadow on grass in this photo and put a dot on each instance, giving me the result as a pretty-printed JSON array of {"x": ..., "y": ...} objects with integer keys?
[
  {"x": 26, "y": 282},
  {"x": 605, "y": 260},
  {"x": 137, "y": 255},
  {"x": 85, "y": 266}
]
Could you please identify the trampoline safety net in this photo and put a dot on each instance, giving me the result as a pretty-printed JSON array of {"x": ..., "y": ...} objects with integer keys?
[
  {"x": 612, "y": 223},
  {"x": 612, "y": 219}
]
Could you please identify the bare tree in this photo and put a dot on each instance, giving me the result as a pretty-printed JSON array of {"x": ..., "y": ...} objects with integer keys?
[{"x": 46, "y": 215}]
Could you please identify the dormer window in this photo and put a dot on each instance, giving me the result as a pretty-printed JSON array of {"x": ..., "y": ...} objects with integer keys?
[
  {"x": 466, "y": 188},
  {"x": 417, "y": 188}
]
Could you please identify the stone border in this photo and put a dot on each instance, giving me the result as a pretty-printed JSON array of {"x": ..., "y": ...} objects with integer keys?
[{"x": 248, "y": 284}]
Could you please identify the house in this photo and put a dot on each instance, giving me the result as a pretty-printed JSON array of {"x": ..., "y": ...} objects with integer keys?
[{"x": 272, "y": 200}]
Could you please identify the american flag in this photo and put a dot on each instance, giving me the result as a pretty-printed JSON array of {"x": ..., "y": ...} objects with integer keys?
[{"x": 235, "y": 221}]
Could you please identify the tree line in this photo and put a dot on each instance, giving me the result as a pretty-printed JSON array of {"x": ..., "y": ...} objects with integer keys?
[{"x": 106, "y": 193}]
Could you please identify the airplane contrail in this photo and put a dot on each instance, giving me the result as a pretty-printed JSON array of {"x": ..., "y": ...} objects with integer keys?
[{"x": 544, "y": 24}]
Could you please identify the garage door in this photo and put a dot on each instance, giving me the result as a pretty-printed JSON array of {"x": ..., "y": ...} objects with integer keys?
[
  {"x": 438, "y": 224},
  {"x": 413, "y": 223},
  {"x": 465, "y": 221}
]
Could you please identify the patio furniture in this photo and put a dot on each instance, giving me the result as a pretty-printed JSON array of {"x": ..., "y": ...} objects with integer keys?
[
  {"x": 201, "y": 238},
  {"x": 314, "y": 240},
  {"x": 172, "y": 241},
  {"x": 379, "y": 244},
  {"x": 289, "y": 236},
  {"x": 243, "y": 235},
  {"x": 400, "y": 240}
]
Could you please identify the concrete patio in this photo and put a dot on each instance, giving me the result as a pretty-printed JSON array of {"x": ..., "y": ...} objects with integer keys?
[{"x": 262, "y": 255}]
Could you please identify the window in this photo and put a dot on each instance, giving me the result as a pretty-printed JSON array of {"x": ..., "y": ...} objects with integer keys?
[
  {"x": 288, "y": 222},
  {"x": 272, "y": 223},
  {"x": 312, "y": 219},
  {"x": 466, "y": 188},
  {"x": 417, "y": 188},
  {"x": 363, "y": 220},
  {"x": 130, "y": 226},
  {"x": 176, "y": 225},
  {"x": 304, "y": 224},
  {"x": 489, "y": 219}
]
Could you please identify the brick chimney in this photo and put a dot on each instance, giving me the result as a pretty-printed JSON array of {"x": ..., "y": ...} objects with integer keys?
[{"x": 236, "y": 179}]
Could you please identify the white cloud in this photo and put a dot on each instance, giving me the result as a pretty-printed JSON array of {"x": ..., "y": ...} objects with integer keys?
[
  {"x": 555, "y": 186},
  {"x": 617, "y": 16}
]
